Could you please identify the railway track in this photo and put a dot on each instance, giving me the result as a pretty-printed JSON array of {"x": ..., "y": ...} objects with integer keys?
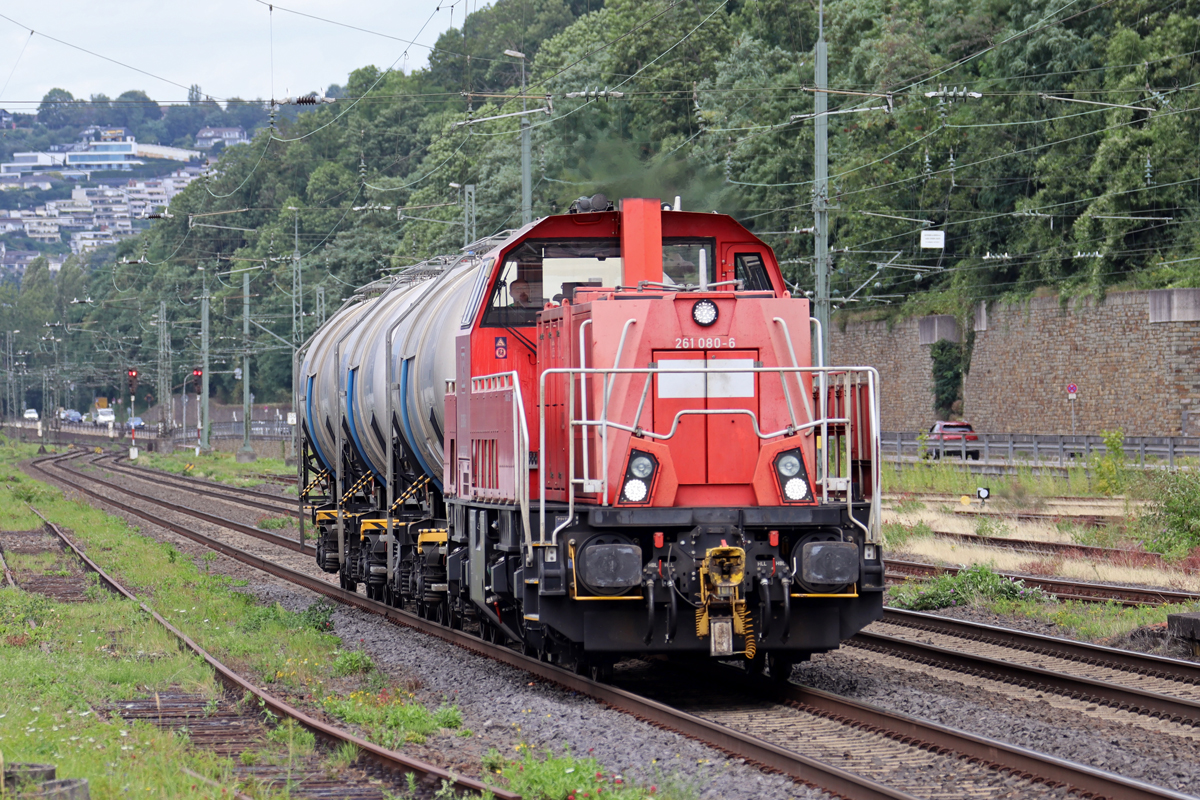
[
  {"x": 129, "y": 493},
  {"x": 232, "y": 728},
  {"x": 899, "y": 571},
  {"x": 773, "y": 727},
  {"x": 236, "y": 494},
  {"x": 1066, "y": 549},
  {"x": 1161, "y": 687}
]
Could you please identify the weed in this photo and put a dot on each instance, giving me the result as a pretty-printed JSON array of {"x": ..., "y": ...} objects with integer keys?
[
  {"x": 970, "y": 586},
  {"x": 989, "y": 527},
  {"x": 249, "y": 757},
  {"x": 274, "y": 523},
  {"x": 896, "y": 535},
  {"x": 207, "y": 559},
  {"x": 342, "y": 757},
  {"x": 907, "y": 504},
  {"x": 352, "y": 662},
  {"x": 1111, "y": 471},
  {"x": 318, "y": 617},
  {"x": 392, "y": 718},
  {"x": 299, "y": 740},
  {"x": 567, "y": 776}
]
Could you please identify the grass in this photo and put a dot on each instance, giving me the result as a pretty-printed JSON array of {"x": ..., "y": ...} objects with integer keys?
[
  {"x": 972, "y": 586},
  {"x": 214, "y": 466},
  {"x": 1094, "y": 622},
  {"x": 391, "y": 717},
  {"x": 941, "y": 477},
  {"x": 77, "y": 656},
  {"x": 896, "y": 535},
  {"x": 565, "y": 776}
]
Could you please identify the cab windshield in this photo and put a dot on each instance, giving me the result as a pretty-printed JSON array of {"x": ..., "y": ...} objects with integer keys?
[{"x": 538, "y": 272}]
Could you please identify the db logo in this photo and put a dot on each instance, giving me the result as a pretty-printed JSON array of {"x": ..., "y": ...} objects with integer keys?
[{"x": 501, "y": 347}]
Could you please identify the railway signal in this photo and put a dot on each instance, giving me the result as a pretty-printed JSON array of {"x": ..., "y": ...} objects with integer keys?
[
  {"x": 133, "y": 379},
  {"x": 197, "y": 375}
]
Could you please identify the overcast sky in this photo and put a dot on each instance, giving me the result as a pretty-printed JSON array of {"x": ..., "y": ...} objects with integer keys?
[{"x": 222, "y": 45}]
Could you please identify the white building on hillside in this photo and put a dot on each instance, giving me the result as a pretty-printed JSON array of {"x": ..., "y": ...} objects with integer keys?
[{"x": 207, "y": 137}]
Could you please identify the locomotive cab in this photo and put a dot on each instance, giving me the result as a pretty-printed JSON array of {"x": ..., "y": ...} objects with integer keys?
[{"x": 618, "y": 445}]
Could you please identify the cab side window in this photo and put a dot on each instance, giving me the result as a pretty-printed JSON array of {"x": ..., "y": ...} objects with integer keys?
[{"x": 752, "y": 272}]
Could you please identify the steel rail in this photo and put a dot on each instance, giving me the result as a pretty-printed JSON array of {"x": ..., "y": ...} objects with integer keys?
[
  {"x": 1063, "y": 589},
  {"x": 1063, "y": 548},
  {"x": 189, "y": 481},
  {"x": 249, "y": 530},
  {"x": 282, "y": 505},
  {"x": 1112, "y": 657},
  {"x": 796, "y": 766},
  {"x": 1175, "y": 709},
  {"x": 996, "y": 754},
  {"x": 387, "y": 759},
  {"x": 993, "y": 753}
]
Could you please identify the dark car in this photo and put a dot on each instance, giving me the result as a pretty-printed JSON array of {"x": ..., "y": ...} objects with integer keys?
[
  {"x": 948, "y": 437},
  {"x": 71, "y": 415},
  {"x": 135, "y": 423}
]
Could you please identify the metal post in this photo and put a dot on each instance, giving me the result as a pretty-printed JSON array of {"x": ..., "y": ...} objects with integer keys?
[
  {"x": 320, "y": 309},
  {"x": 526, "y": 176},
  {"x": 468, "y": 214},
  {"x": 297, "y": 334},
  {"x": 246, "y": 454},
  {"x": 821, "y": 182},
  {"x": 203, "y": 423}
]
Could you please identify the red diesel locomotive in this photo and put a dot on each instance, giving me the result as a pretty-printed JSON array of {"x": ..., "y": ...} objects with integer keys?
[{"x": 598, "y": 435}]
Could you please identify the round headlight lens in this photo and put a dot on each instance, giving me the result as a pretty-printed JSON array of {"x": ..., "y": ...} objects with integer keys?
[
  {"x": 795, "y": 489},
  {"x": 635, "y": 490},
  {"x": 789, "y": 466},
  {"x": 704, "y": 313},
  {"x": 641, "y": 466}
]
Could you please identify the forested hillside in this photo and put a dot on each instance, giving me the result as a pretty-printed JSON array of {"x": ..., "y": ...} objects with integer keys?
[{"x": 1070, "y": 159}]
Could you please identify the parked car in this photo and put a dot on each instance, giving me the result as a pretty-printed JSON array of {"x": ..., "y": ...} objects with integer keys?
[
  {"x": 948, "y": 437},
  {"x": 135, "y": 424},
  {"x": 73, "y": 415},
  {"x": 105, "y": 416},
  {"x": 31, "y": 414}
]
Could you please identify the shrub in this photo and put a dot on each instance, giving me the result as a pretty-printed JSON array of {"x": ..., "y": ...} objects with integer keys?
[
  {"x": 970, "y": 586},
  {"x": 352, "y": 662},
  {"x": 1172, "y": 526},
  {"x": 1111, "y": 473}
]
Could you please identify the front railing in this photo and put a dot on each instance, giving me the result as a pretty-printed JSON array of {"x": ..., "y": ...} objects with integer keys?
[{"x": 832, "y": 383}]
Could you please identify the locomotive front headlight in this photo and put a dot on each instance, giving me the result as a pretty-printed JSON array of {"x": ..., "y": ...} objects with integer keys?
[
  {"x": 789, "y": 465},
  {"x": 641, "y": 467},
  {"x": 792, "y": 477},
  {"x": 635, "y": 490},
  {"x": 704, "y": 313}
]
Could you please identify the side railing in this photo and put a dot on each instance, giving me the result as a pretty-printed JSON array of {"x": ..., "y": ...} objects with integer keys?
[
  {"x": 508, "y": 385},
  {"x": 831, "y": 382}
]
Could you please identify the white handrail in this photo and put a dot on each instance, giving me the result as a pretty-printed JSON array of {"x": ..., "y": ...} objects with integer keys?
[{"x": 823, "y": 372}]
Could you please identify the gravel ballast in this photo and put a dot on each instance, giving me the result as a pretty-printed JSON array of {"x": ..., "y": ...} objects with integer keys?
[{"x": 504, "y": 708}]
